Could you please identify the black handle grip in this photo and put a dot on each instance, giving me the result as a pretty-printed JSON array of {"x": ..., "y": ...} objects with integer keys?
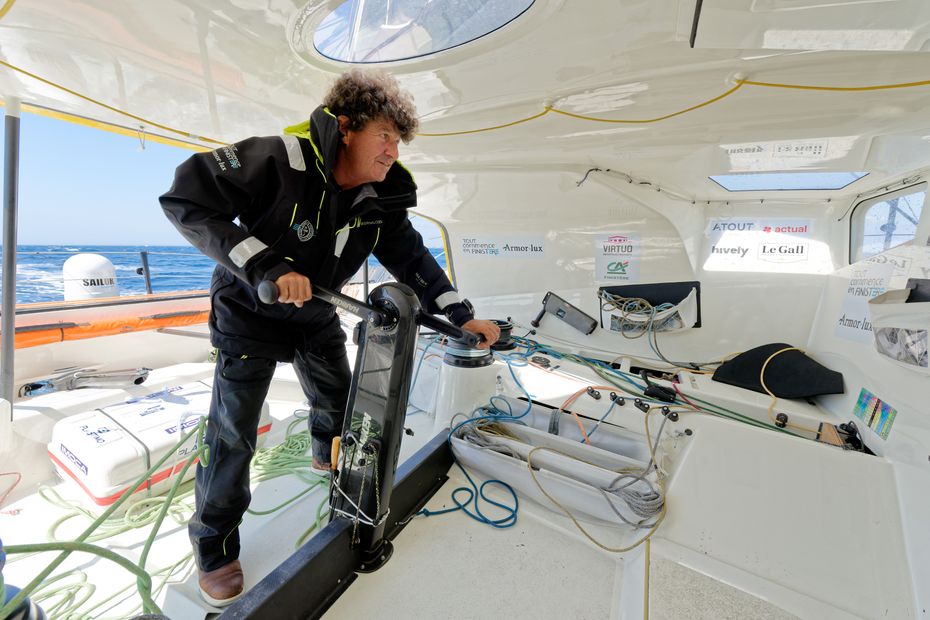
[
  {"x": 448, "y": 329},
  {"x": 268, "y": 292}
]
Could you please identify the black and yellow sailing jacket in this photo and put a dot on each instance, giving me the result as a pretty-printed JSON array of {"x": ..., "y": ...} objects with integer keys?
[{"x": 266, "y": 206}]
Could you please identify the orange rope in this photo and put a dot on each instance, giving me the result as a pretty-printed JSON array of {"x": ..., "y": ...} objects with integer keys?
[{"x": 575, "y": 397}]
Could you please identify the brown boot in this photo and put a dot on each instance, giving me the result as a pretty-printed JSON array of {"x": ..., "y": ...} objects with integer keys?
[
  {"x": 321, "y": 469},
  {"x": 222, "y": 586}
]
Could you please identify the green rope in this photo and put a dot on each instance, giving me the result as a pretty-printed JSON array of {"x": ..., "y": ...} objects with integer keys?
[
  {"x": 288, "y": 458},
  {"x": 144, "y": 579},
  {"x": 66, "y": 551}
]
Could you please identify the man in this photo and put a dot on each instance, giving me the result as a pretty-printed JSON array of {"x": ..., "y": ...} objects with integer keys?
[{"x": 311, "y": 206}]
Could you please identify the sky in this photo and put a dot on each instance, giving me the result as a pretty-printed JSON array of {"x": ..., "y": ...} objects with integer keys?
[{"x": 85, "y": 186}]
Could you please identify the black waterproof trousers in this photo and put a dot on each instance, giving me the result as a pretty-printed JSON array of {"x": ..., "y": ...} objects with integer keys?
[{"x": 240, "y": 385}]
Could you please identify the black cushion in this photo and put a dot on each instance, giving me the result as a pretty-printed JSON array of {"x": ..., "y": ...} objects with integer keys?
[{"x": 791, "y": 374}]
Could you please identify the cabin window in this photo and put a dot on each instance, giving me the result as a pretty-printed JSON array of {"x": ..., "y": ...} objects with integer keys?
[
  {"x": 885, "y": 221},
  {"x": 434, "y": 238},
  {"x": 363, "y": 31},
  {"x": 785, "y": 181}
]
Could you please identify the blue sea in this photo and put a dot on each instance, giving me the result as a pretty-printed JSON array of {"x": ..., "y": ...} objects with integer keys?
[{"x": 171, "y": 268}]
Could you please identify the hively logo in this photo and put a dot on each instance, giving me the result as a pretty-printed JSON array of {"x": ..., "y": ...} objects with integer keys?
[{"x": 735, "y": 251}]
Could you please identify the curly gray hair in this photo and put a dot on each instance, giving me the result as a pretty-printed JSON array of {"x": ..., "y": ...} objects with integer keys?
[{"x": 366, "y": 95}]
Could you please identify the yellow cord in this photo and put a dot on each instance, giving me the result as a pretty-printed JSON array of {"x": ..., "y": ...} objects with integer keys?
[
  {"x": 142, "y": 120},
  {"x": 658, "y": 118},
  {"x": 460, "y": 133},
  {"x": 775, "y": 398},
  {"x": 739, "y": 84},
  {"x": 6, "y": 8},
  {"x": 646, "y": 580},
  {"x": 843, "y": 89},
  {"x": 567, "y": 513}
]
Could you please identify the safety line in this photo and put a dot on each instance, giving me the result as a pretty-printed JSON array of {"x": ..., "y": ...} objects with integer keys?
[
  {"x": 6, "y": 7},
  {"x": 107, "y": 106},
  {"x": 838, "y": 88},
  {"x": 739, "y": 84}
]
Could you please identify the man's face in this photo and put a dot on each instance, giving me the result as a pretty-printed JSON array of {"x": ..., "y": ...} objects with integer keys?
[{"x": 371, "y": 151}]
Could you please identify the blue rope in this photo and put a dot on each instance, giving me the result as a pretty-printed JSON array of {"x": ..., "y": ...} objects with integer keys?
[
  {"x": 475, "y": 493},
  {"x": 603, "y": 417}
]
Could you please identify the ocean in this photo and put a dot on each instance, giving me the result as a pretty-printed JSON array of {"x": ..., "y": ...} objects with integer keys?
[{"x": 171, "y": 268}]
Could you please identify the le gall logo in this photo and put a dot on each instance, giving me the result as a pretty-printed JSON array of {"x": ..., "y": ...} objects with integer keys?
[{"x": 783, "y": 252}]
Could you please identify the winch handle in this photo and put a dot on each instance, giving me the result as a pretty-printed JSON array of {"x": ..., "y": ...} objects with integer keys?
[
  {"x": 268, "y": 294},
  {"x": 444, "y": 327}
]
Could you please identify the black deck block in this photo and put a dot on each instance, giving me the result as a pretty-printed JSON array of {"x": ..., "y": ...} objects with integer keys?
[{"x": 306, "y": 584}]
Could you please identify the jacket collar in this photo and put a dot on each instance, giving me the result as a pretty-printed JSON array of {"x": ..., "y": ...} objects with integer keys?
[{"x": 397, "y": 191}]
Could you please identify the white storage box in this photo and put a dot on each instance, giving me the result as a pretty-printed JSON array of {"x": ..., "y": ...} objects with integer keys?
[{"x": 107, "y": 449}]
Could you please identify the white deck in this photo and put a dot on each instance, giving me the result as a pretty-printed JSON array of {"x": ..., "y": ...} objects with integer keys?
[{"x": 758, "y": 527}]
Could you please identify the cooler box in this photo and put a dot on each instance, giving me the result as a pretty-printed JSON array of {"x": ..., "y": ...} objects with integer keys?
[{"x": 108, "y": 449}]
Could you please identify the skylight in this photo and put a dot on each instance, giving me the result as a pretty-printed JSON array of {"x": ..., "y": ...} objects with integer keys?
[
  {"x": 386, "y": 30},
  {"x": 784, "y": 181}
]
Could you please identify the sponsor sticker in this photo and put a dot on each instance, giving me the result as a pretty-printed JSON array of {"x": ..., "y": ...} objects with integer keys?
[
  {"x": 767, "y": 244},
  {"x": 617, "y": 257},
  {"x": 72, "y": 457},
  {"x": 867, "y": 280},
  {"x": 186, "y": 424},
  {"x": 504, "y": 246}
]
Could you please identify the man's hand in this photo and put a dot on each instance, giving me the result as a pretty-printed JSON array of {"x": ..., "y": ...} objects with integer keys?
[
  {"x": 488, "y": 329},
  {"x": 294, "y": 288}
]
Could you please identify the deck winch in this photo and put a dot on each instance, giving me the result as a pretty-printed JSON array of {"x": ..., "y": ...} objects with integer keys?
[{"x": 368, "y": 507}]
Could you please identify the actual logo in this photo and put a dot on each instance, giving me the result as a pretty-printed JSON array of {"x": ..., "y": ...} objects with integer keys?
[{"x": 304, "y": 230}]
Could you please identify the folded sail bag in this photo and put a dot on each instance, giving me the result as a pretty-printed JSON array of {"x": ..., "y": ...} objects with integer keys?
[{"x": 900, "y": 328}]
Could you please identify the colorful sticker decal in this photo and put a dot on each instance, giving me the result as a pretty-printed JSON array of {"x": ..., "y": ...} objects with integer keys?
[
  {"x": 877, "y": 415},
  {"x": 504, "y": 246},
  {"x": 617, "y": 258}
]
